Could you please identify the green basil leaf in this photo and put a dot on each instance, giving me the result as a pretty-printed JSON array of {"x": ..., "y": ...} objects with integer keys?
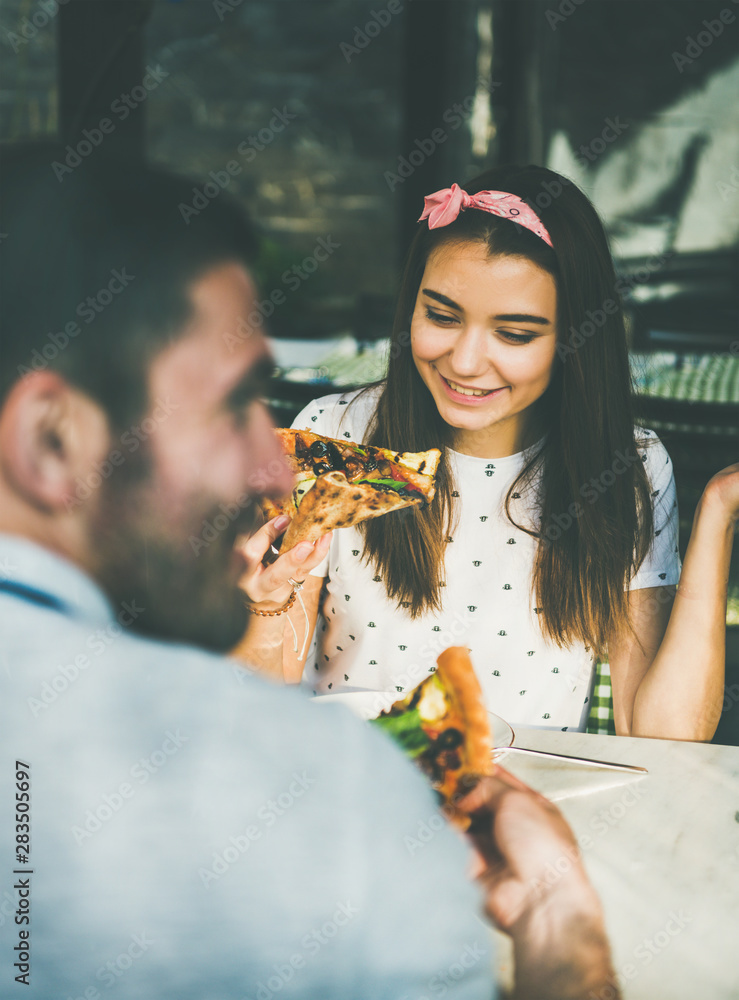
[
  {"x": 394, "y": 483},
  {"x": 406, "y": 730}
]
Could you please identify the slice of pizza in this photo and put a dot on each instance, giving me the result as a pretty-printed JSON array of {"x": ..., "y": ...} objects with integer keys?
[
  {"x": 442, "y": 725},
  {"x": 341, "y": 483}
]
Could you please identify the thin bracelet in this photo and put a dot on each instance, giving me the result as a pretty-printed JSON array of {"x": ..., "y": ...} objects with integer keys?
[{"x": 280, "y": 611}]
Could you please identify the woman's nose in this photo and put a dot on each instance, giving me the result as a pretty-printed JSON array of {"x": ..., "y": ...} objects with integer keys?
[{"x": 467, "y": 356}]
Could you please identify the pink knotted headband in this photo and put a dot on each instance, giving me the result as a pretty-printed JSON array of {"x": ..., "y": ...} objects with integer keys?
[{"x": 443, "y": 207}]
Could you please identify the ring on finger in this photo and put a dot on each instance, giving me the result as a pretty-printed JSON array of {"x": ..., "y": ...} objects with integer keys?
[{"x": 297, "y": 584}]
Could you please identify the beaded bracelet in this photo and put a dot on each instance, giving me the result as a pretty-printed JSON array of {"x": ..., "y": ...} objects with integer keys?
[{"x": 280, "y": 611}]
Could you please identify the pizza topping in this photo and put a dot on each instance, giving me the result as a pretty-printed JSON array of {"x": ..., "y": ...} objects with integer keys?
[
  {"x": 432, "y": 705},
  {"x": 323, "y": 456},
  {"x": 442, "y": 725},
  {"x": 390, "y": 485},
  {"x": 406, "y": 730},
  {"x": 301, "y": 489},
  {"x": 327, "y": 452},
  {"x": 449, "y": 760},
  {"x": 450, "y": 739}
]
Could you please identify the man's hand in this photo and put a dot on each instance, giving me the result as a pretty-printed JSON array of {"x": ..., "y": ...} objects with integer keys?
[
  {"x": 517, "y": 834},
  {"x": 556, "y": 922},
  {"x": 267, "y": 587}
]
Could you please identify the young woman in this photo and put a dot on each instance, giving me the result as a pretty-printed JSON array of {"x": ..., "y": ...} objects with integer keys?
[{"x": 552, "y": 539}]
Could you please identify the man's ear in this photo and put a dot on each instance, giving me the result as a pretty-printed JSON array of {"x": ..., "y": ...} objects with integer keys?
[{"x": 50, "y": 435}]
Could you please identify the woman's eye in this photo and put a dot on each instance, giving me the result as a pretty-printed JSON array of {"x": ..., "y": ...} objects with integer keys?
[
  {"x": 443, "y": 319},
  {"x": 516, "y": 338}
]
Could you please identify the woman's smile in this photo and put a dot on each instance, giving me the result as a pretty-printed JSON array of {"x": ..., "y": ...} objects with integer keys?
[{"x": 468, "y": 395}]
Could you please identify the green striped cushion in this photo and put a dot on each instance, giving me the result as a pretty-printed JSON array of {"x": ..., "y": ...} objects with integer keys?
[{"x": 600, "y": 721}]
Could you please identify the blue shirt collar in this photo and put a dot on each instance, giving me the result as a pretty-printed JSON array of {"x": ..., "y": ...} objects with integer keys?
[{"x": 31, "y": 565}]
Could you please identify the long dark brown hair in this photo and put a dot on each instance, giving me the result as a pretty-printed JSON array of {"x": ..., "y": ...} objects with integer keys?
[{"x": 581, "y": 571}]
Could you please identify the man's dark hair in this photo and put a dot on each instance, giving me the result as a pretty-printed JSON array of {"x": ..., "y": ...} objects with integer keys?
[{"x": 95, "y": 269}]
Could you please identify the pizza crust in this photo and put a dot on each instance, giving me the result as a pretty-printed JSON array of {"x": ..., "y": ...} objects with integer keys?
[
  {"x": 458, "y": 676},
  {"x": 334, "y": 502}
]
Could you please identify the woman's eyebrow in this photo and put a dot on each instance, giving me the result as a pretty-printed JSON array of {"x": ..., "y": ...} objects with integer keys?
[
  {"x": 522, "y": 318},
  {"x": 443, "y": 299},
  {"x": 505, "y": 317}
]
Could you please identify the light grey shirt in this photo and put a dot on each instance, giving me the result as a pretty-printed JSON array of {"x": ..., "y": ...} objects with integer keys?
[{"x": 199, "y": 833}]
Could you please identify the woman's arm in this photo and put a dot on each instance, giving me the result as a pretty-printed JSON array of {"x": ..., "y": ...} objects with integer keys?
[
  {"x": 268, "y": 644},
  {"x": 673, "y": 688}
]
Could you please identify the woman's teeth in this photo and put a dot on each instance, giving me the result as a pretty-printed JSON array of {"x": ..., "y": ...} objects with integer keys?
[{"x": 469, "y": 392}]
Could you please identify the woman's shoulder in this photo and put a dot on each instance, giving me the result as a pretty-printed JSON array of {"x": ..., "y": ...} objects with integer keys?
[
  {"x": 652, "y": 452},
  {"x": 648, "y": 444},
  {"x": 342, "y": 414}
]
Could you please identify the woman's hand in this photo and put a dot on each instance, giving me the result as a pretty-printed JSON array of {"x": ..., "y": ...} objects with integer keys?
[
  {"x": 722, "y": 491},
  {"x": 268, "y": 587}
]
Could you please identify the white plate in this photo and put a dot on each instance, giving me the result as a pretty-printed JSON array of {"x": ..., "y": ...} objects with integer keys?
[{"x": 369, "y": 704}]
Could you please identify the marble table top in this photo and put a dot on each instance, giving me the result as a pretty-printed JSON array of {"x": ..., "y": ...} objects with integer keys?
[{"x": 661, "y": 849}]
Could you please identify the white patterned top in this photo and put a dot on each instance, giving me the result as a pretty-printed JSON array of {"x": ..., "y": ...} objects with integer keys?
[{"x": 364, "y": 642}]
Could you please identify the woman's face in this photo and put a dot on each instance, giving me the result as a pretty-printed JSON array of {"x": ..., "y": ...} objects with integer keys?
[{"x": 483, "y": 336}]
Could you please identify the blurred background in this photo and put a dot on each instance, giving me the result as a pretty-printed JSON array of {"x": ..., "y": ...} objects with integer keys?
[{"x": 331, "y": 119}]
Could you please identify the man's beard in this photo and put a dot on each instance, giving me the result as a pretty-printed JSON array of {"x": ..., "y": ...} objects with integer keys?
[{"x": 178, "y": 566}]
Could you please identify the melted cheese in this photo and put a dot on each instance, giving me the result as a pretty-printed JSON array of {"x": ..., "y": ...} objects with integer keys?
[
  {"x": 301, "y": 489},
  {"x": 414, "y": 460},
  {"x": 433, "y": 704}
]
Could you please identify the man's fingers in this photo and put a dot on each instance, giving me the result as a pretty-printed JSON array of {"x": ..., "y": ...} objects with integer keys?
[{"x": 489, "y": 790}]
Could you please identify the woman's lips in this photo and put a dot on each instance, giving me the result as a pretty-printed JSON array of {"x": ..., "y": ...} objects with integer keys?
[{"x": 461, "y": 397}]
